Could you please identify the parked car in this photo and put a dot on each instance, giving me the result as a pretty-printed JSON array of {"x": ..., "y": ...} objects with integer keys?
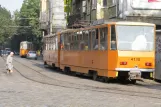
[
  {"x": 3, "y": 53},
  {"x": 32, "y": 55},
  {"x": 8, "y": 52}
]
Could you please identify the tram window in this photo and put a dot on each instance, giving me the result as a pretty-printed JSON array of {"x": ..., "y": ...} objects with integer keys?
[
  {"x": 103, "y": 38},
  {"x": 113, "y": 38},
  {"x": 65, "y": 41},
  {"x": 53, "y": 43},
  {"x": 86, "y": 40},
  {"x": 78, "y": 37},
  {"x": 95, "y": 39},
  {"x": 71, "y": 42},
  {"x": 76, "y": 42},
  {"x": 82, "y": 41},
  {"x": 56, "y": 43},
  {"x": 49, "y": 43},
  {"x": 89, "y": 40},
  {"x": 46, "y": 43},
  {"x": 62, "y": 42}
]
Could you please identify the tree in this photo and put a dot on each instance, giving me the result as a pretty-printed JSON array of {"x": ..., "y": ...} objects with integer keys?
[
  {"x": 67, "y": 7},
  {"x": 5, "y": 23},
  {"x": 29, "y": 16}
]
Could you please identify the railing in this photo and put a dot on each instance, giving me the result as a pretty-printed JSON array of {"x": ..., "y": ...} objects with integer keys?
[
  {"x": 74, "y": 21},
  {"x": 44, "y": 20}
]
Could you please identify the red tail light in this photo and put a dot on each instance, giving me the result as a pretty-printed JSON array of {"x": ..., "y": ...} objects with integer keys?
[
  {"x": 123, "y": 63},
  {"x": 148, "y": 64}
]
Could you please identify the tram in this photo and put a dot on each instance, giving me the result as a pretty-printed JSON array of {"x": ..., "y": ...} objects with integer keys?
[
  {"x": 123, "y": 50},
  {"x": 25, "y": 47}
]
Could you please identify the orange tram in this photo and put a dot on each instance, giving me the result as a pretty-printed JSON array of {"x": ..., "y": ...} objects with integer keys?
[
  {"x": 123, "y": 50},
  {"x": 25, "y": 47}
]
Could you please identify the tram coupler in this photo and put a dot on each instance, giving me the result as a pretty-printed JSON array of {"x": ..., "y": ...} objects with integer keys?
[{"x": 135, "y": 74}]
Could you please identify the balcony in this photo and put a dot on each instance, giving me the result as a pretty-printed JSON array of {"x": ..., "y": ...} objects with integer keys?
[{"x": 44, "y": 21}]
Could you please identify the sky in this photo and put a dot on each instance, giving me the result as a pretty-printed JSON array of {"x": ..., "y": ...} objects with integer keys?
[{"x": 11, "y": 5}]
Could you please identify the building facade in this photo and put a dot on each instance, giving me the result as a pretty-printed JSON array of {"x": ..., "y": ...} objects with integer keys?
[
  {"x": 52, "y": 16},
  {"x": 131, "y": 10}
]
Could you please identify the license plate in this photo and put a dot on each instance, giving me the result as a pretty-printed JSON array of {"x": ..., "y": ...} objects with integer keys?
[{"x": 135, "y": 73}]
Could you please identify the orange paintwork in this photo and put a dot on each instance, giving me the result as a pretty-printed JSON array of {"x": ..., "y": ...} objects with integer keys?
[
  {"x": 51, "y": 57},
  {"x": 104, "y": 62},
  {"x": 23, "y": 52},
  {"x": 143, "y": 56},
  {"x": 87, "y": 60}
]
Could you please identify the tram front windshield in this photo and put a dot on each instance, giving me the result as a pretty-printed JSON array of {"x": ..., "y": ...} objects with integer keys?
[{"x": 135, "y": 38}]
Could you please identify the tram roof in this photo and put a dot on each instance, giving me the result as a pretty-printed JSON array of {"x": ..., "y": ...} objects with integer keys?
[
  {"x": 133, "y": 23},
  {"x": 104, "y": 24}
]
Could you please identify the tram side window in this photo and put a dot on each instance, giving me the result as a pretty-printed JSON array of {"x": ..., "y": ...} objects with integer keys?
[
  {"x": 89, "y": 40},
  {"x": 50, "y": 43},
  {"x": 75, "y": 41},
  {"x": 62, "y": 42},
  {"x": 44, "y": 44},
  {"x": 103, "y": 38},
  {"x": 86, "y": 38},
  {"x": 47, "y": 43},
  {"x": 95, "y": 39},
  {"x": 82, "y": 41},
  {"x": 53, "y": 43},
  {"x": 113, "y": 38},
  {"x": 72, "y": 41},
  {"x": 56, "y": 43},
  {"x": 67, "y": 41}
]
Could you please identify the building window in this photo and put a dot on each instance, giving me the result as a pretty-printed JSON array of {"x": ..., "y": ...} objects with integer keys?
[
  {"x": 104, "y": 3},
  {"x": 113, "y": 2},
  {"x": 88, "y": 7},
  {"x": 94, "y": 4}
]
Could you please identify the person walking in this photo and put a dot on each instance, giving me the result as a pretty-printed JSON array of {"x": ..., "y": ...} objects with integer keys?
[{"x": 9, "y": 64}]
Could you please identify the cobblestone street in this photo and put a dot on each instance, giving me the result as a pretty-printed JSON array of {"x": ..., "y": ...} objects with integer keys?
[{"x": 32, "y": 85}]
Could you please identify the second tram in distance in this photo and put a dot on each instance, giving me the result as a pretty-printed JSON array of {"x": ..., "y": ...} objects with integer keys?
[
  {"x": 124, "y": 50},
  {"x": 25, "y": 47}
]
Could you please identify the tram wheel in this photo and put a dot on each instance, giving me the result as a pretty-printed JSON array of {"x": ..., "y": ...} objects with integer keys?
[
  {"x": 95, "y": 76},
  {"x": 106, "y": 80},
  {"x": 67, "y": 70}
]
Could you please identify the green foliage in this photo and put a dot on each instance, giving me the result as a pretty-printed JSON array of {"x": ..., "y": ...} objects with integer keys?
[
  {"x": 5, "y": 23},
  {"x": 29, "y": 16},
  {"x": 68, "y": 7},
  {"x": 67, "y": 4}
]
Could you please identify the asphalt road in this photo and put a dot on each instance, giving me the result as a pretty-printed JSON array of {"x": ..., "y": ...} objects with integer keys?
[{"x": 32, "y": 85}]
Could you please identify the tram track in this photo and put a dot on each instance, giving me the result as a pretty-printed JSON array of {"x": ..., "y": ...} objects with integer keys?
[{"x": 66, "y": 84}]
